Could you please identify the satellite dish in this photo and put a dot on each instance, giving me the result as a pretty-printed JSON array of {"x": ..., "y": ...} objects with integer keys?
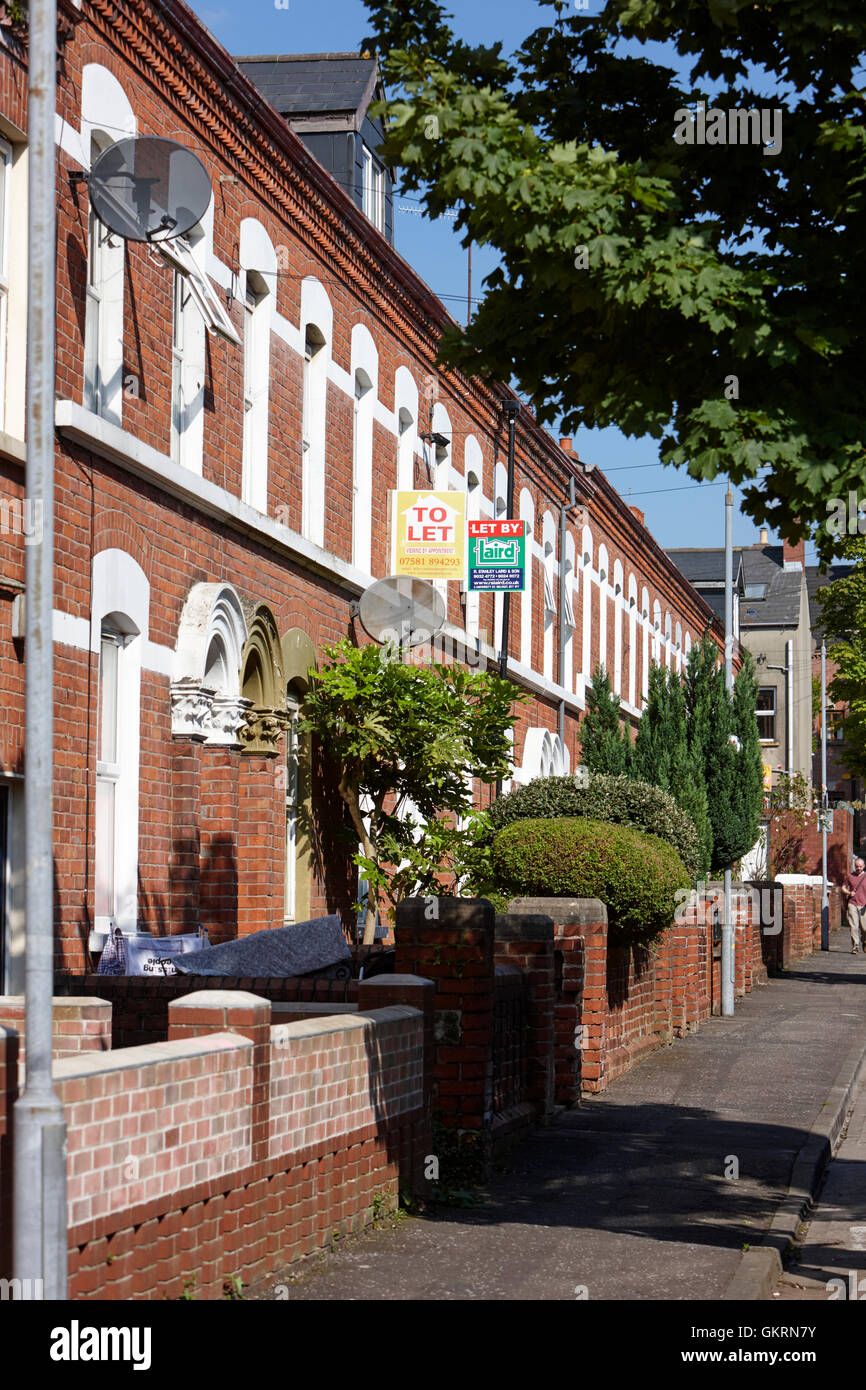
[
  {"x": 149, "y": 188},
  {"x": 401, "y": 611}
]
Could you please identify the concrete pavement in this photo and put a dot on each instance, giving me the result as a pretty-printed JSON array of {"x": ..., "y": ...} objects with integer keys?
[{"x": 651, "y": 1191}]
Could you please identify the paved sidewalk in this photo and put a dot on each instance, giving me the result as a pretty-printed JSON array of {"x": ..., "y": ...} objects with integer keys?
[
  {"x": 627, "y": 1197},
  {"x": 834, "y": 1244}
]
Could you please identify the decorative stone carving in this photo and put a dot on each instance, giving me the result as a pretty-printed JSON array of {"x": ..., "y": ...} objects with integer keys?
[
  {"x": 260, "y": 733},
  {"x": 190, "y": 709},
  {"x": 227, "y": 718}
]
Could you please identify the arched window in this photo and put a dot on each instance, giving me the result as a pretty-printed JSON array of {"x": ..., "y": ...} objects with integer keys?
[
  {"x": 316, "y": 330},
  {"x": 258, "y": 260},
  {"x": 568, "y": 614},
  {"x": 550, "y": 578},
  {"x": 586, "y": 545},
  {"x": 106, "y": 116},
  {"x": 474, "y": 472},
  {"x": 205, "y": 688},
  {"x": 618, "y": 600},
  {"x": 119, "y": 624},
  {"x": 299, "y": 655},
  {"x": 527, "y": 514},
  {"x": 365, "y": 375},
  {"x": 603, "y": 585},
  {"x": 442, "y": 451},
  {"x": 632, "y": 640},
  {"x": 406, "y": 411}
]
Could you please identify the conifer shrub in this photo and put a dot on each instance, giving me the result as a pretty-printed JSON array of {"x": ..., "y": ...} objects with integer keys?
[
  {"x": 637, "y": 876},
  {"x": 617, "y": 800}
]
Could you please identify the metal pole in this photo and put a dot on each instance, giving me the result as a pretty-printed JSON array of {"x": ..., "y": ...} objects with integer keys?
[
  {"x": 512, "y": 410},
  {"x": 39, "y": 1201},
  {"x": 728, "y": 952},
  {"x": 825, "y": 896},
  {"x": 789, "y": 713},
  {"x": 563, "y": 518}
]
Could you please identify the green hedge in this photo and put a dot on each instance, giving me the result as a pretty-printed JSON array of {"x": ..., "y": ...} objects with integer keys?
[
  {"x": 615, "y": 799},
  {"x": 637, "y": 876}
]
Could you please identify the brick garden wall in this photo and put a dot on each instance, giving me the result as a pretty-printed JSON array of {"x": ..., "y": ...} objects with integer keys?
[{"x": 236, "y": 1146}]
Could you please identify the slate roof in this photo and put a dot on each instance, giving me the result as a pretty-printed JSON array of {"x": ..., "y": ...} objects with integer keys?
[
  {"x": 307, "y": 84},
  {"x": 759, "y": 564},
  {"x": 819, "y": 579}
]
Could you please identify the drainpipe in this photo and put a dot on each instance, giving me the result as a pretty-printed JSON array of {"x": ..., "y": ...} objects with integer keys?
[
  {"x": 563, "y": 518},
  {"x": 825, "y": 897},
  {"x": 511, "y": 409},
  {"x": 39, "y": 1193},
  {"x": 789, "y": 711}
]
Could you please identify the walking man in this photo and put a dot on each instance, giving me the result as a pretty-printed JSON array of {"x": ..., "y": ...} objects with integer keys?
[{"x": 854, "y": 889}]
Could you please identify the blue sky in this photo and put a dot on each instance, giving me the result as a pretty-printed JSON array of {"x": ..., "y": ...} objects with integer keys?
[{"x": 679, "y": 512}]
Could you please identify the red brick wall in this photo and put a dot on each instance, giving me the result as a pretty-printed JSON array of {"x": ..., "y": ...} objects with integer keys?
[{"x": 79, "y": 1025}]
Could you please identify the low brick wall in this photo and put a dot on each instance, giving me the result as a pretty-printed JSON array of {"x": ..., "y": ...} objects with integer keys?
[
  {"x": 80, "y": 1024},
  {"x": 237, "y": 1145}
]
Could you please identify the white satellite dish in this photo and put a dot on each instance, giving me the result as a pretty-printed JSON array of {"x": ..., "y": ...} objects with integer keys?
[
  {"x": 401, "y": 611},
  {"x": 148, "y": 188}
]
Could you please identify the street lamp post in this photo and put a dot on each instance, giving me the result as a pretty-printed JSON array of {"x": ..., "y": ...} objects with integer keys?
[
  {"x": 825, "y": 896},
  {"x": 728, "y": 954}
]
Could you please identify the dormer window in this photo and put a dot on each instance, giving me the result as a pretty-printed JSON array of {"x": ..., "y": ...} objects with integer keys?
[{"x": 374, "y": 189}]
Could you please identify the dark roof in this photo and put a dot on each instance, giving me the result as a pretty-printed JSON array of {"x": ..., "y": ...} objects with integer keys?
[
  {"x": 753, "y": 565},
  {"x": 306, "y": 84},
  {"x": 703, "y": 566}
]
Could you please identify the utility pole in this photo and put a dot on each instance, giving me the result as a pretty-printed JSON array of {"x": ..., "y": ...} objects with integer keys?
[
  {"x": 825, "y": 896},
  {"x": 39, "y": 1200},
  {"x": 728, "y": 953}
]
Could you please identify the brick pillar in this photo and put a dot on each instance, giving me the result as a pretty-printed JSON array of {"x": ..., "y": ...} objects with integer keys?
[
  {"x": 8, "y": 1097},
  {"x": 260, "y": 836},
  {"x": 183, "y": 858},
  {"x": 233, "y": 1011},
  {"x": 450, "y": 941},
  {"x": 220, "y": 769},
  {"x": 378, "y": 993},
  {"x": 580, "y": 942},
  {"x": 526, "y": 941}
]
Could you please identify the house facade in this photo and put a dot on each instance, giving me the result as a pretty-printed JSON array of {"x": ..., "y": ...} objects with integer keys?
[{"x": 233, "y": 410}]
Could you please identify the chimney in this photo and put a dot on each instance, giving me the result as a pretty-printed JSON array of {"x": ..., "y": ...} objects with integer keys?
[
  {"x": 793, "y": 555},
  {"x": 566, "y": 446},
  {"x": 638, "y": 513},
  {"x": 765, "y": 536}
]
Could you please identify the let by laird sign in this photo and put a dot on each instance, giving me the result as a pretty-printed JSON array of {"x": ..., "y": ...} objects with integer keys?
[
  {"x": 430, "y": 528},
  {"x": 497, "y": 555}
]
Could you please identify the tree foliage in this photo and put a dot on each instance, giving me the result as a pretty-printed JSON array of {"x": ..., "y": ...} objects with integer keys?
[
  {"x": 604, "y": 745},
  {"x": 638, "y": 274},
  {"x": 407, "y": 741}
]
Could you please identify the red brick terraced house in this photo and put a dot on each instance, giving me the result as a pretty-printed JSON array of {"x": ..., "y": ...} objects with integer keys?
[{"x": 231, "y": 414}]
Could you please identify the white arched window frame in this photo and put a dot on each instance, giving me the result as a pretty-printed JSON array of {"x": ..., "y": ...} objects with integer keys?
[
  {"x": 632, "y": 639},
  {"x": 603, "y": 587},
  {"x": 441, "y": 454},
  {"x": 474, "y": 475},
  {"x": 119, "y": 625},
  {"x": 646, "y": 624},
  {"x": 365, "y": 381},
  {"x": 406, "y": 413},
  {"x": 205, "y": 689},
  {"x": 618, "y": 603},
  {"x": 687, "y": 647},
  {"x": 678, "y": 646},
  {"x": 544, "y": 755},
  {"x": 549, "y": 570},
  {"x": 258, "y": 260},
  {"x": 317, "y": 321},
  {"x": 657, "y": 632},
  {"x": 106, "y": 117},
  {"x": 527, "y": 515},
  {"x": 586, "y": 555},
  {"x": 568, "y": 615},
  {"x": 668, "y": 640}
]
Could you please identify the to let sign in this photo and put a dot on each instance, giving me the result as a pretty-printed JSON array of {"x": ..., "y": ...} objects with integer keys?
[
  {"x": 431, "y": 534},
  {"x": 497, "y": 555}
]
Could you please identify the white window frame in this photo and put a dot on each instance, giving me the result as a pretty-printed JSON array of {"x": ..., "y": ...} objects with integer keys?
[
  {"x": 5, "y": 201},
  {"x": 108, "y": 772},
  {"x": 178, "y": 252},
  {"x": 374, "y": 190},
  {"x": 257, "y": 351},
  {"x": 763, "y": 715}
]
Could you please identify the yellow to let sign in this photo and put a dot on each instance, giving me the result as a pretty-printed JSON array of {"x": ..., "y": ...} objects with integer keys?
[
  {"x": 767, "y": 776},
  {"x": 430, "y": 528}
]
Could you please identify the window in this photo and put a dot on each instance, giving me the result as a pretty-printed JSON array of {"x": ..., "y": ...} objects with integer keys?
[
  {"x": 374, "y": 190},
  {"x": 103, "y": 323},
  {"x": 568, "y": 611},
  {"x": 362, "y": 472},
  {"x": 107, "y": 774},
  {"x": 257, "y": 344},
  {"x": 549, "y": 587},
  {"x": 766, "y": 713},
  {"x": 187, "y": 373},
  {"x": 292, "y": 806},
  {"x": 179, "y": 253},
  {"x": 5, "y": 178},
  {"x": 835, "y": 725}
]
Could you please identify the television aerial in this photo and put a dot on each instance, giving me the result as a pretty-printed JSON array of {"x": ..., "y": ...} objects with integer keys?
[
  {"x": 149, "y": 188},
  {"x": 401, "y": 611}
]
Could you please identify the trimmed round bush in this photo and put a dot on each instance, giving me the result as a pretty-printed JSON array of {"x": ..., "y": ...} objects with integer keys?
[
  {"x": 618, "y": 800},
  {"x": 637, "y": 876}
]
